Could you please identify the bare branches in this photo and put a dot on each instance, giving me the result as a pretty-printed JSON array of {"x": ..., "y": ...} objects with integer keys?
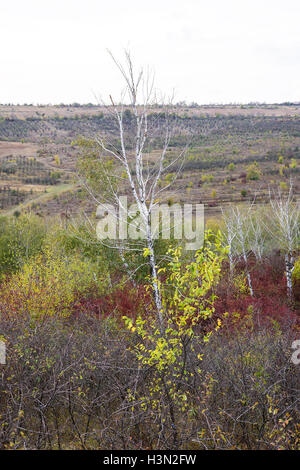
[
  {"x": 251, "y": 229},
  {"x": 285, "y": 227},
  {"x": 237, "y": 237}
]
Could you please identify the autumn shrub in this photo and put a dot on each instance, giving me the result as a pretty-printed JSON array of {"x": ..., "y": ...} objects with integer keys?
[
  {"x": 20, "y": 239},
  {"x": 123, "y": 299},
  {"x": 254, "y": 172},
  {"x": 76, "y": 383},
  {"x": 269, "y": 303},
  {"x": 248, "y": 399},
  {"x": 49, "y": 284},
  {"x": 64, "y": 383},
  {"x": 79, "y": 238}
]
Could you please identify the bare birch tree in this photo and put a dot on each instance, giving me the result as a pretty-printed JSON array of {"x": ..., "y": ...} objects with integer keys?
[
  {"x": 141, "y": 162},
  {"x": 284, "y": 226},
  {"x": 257, "y": 235},
  {"x": 237, "y": 238}
]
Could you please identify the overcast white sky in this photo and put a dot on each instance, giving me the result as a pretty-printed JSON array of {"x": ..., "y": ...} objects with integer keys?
[{"x": 209, "y": 51}]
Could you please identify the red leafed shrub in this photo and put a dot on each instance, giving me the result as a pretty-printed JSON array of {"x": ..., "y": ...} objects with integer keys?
[
  {"x": 269, "y": 303},
  {"x": 127, "y": 300}
]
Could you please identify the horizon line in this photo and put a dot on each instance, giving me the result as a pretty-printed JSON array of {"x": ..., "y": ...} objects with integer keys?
[{"x": 178, "y": 104}]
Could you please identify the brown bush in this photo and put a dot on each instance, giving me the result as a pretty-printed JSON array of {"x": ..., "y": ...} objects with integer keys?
[{"x": 75, "y": 384}]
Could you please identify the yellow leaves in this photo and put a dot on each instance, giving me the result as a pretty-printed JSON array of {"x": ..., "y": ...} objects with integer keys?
[
  {"x": 128, "y": 322},
  {"x": 57, "y": 160},
  {"x": 201, "y": 434},
  {"x": 191, "y": 283},
  {"x": 161, "y": 270},
  {"x": 48, "y": 284},
  {"x": 219, "y": 324},
  {"x": 207, "y": 336},
  {"x": 187, "y": 300},
  {"x": 241, "y": 285}
]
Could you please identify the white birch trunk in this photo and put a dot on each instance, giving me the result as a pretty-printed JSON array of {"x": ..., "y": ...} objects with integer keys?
[{"x": 289, "y": 267}]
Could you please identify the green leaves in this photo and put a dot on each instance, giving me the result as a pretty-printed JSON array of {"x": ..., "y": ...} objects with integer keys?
[{"x": 96, "y": 169}]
